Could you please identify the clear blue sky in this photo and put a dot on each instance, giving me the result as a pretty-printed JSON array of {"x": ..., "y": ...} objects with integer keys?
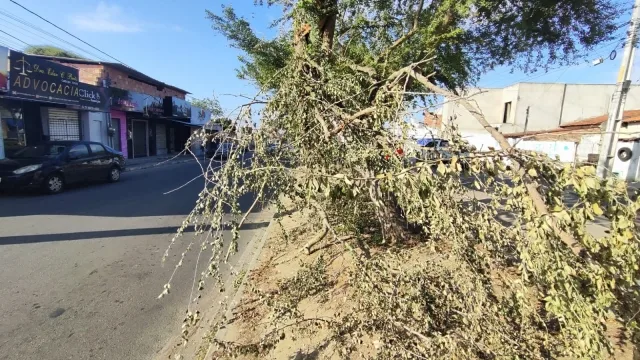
[{"x": 172, "y": 41}]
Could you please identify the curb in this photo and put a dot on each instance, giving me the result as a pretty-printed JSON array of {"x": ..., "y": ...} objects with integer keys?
[
  {"x": 197, "y": 337},
  {"x": 250, "y": 265},
  {"x": 158, "y": 164}
]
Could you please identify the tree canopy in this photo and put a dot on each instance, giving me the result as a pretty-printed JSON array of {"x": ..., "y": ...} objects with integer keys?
[
  {"x": 49, "y": 50},
  {"x": 211, "y": 103},
  {"x": 466, "y": 37}
]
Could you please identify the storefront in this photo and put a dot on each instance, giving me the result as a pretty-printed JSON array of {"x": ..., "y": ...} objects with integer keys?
[
  {"x": 44, "y": 102},
  {"x": 199, "y": 118},
  {"x": 117, "y": 129},
  {"x": 141, "y": 113}
]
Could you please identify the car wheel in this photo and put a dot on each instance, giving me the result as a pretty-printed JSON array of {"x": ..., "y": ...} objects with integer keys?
[
  {"x": 54, "y": 184},
  {"x": 114, "y": 174}
]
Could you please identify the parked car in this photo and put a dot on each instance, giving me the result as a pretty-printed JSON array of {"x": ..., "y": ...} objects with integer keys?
[
  {"x": 221, "y": 151},
  {"x": 53, "y": 165},
  {"x": 439, "y": 149}
]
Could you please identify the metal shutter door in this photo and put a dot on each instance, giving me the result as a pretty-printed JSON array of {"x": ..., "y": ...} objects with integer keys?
[
  {"x": 161, "y": 139},
  {"x": 63, "y": 124}
]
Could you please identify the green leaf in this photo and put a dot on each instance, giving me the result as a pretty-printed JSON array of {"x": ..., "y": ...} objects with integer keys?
[
  {"x": 532, "y": 172},
  {"x": 590, "y": 183},
  {"x": 596, "y": 209},
  {"x": 442, "y": 169}
]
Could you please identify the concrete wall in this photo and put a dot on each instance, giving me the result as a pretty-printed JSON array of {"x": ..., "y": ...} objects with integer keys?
[
  {"x": 96, "y": 126},
  {"x": 550, "y": 105},
  {"x": 589, "y": 144},
  {"x": 587, "y": 101},
  {"x": 630, "y": 131},
  {"x": 544, "y": 102},
  {"x": 564, "y": 151},
  {"x": 489, "y": 100}
]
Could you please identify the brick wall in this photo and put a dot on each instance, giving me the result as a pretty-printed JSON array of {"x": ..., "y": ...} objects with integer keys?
[
  {"x": 94, "y": 74},
  {"x": 432, "y": 120}
]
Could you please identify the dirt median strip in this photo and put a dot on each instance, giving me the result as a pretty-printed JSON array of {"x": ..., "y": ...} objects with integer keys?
[{"x": 198, "y": 339}]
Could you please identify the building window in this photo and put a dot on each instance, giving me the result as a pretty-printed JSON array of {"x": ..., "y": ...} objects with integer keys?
[
  {"x": 625, "y": 125},
  {"x": 507, "y": 112},
  {"x": 63, "y": 124}
]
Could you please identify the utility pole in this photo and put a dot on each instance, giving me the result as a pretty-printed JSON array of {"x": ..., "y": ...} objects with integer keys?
[
  {"x": 609, "y": 140},
  {"x": 526, "y": 121}
]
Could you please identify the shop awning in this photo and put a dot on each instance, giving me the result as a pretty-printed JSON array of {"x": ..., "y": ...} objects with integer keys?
[{"x": 185, "y": 123}]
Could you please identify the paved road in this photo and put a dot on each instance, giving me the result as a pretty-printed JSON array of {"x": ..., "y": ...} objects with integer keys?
[{"x": 80, "y": 271}]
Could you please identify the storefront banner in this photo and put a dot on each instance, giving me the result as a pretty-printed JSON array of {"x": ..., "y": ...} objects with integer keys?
[
  {"x": 94, "y": 98},
  {"x": 200, "y": 116},
  {"x": 4, "y": 68},
  {"x": 177, "y": 108},
  {"x": 34, "y": 78},
  {"x": 149, "y": 106}
]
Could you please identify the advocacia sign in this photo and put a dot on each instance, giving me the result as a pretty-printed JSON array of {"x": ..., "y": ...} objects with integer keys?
[{"x": 35, "y": 78}]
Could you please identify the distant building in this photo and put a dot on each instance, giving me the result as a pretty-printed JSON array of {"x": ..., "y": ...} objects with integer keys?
[
  {"x": 432, "y": 120},
  {"x": 551, "y": 105},
  {"x": 80, "y": 99},
  {"x": 579, "y": 141}
]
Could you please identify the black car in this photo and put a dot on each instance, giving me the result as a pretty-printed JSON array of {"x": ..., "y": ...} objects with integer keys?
[{"x": 54, "y": 164}]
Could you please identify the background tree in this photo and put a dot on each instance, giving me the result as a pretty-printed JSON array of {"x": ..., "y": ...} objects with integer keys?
[
  {"x": 49, "y": 50},
  {"x": 211, "y": 103}
]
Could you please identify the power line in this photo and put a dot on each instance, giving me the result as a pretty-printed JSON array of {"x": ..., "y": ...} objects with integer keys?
[
  {"x": 4, "y": 32},
  {"x": 68, "y": 33},
  {"x": 8, "y": 43},
  {"x": 27, "y": 24}
]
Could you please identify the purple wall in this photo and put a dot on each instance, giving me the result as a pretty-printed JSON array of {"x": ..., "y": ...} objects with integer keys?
[{"x": 115, "y": 114}]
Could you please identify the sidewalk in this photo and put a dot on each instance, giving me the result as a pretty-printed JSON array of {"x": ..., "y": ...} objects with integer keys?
[{"x": 153, "y": 161}]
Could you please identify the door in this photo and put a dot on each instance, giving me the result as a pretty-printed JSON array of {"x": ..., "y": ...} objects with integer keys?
[
  {"x": 95, "y": 130},
  {"x": 99, "y": 162},
  {"x": 140, "y": 137},
  {"x": 77, "y": 164},
  {"x": 115, "y": 134},
  {"x": 172, "y": 139},
  {"x": 161, "y": 139}
]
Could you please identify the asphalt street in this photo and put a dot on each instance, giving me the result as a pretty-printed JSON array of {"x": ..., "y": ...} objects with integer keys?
[{"x": 81, "y": 271}]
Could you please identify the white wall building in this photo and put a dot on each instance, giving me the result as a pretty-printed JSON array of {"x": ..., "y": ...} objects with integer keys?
[{"x": 550, "y": 105}]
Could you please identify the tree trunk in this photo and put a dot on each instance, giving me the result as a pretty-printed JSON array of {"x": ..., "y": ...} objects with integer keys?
[{"x": 327, "y": 22}]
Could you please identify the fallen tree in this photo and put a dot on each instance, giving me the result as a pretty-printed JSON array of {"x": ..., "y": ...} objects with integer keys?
[{"x": 467, "y": 284}]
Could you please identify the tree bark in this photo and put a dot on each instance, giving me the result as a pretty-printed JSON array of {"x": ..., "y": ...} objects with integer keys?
[{"x": 327, "y": 23}]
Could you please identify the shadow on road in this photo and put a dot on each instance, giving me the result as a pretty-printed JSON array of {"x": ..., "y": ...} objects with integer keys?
[{"x": 30, "y": 239}]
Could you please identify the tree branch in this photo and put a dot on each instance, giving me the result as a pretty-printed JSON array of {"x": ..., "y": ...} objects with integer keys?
[
  {"x": 352, "y": 118},
  {"x": 531, "y": 186},
  {"x": 406, "y": 36}
]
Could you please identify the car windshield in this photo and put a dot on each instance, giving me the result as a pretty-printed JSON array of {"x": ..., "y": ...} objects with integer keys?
[{"x": 40, "y": 151}]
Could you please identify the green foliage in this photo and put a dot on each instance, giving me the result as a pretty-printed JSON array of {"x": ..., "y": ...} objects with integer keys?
[
  {"x": 263, "y": 57},
  {"x": 212, "y": 104},
  {"x": 451, "y": 258},
  {"x": 48, "y": 50},
  {"x": 467, "y": 37}
]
